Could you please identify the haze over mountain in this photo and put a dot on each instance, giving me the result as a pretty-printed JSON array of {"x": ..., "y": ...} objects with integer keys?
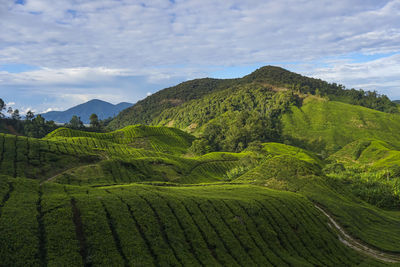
[{"x": 101, "y": 108}]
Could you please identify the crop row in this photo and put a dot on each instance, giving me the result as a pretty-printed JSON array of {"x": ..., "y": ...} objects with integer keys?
[
  {"x": 162, "y": 139},
  {"x": 34, "y": 158},
  {"x": 140, "y": 225}
]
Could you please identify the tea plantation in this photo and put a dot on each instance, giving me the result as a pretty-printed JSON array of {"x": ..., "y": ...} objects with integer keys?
[{"x": 136, "y": 197}]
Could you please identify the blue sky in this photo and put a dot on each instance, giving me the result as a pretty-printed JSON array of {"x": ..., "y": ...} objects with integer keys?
[{"x": 56, "y": 54}]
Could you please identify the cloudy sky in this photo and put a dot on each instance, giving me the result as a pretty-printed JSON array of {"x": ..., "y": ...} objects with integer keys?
[{"x": 55, "y": 54}]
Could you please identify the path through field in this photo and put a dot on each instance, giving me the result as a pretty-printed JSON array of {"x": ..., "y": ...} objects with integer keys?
[{"x": 356, "y": 245}]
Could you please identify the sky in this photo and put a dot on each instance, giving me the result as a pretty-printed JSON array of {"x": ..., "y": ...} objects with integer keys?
[{"x": 56, "y": 54}]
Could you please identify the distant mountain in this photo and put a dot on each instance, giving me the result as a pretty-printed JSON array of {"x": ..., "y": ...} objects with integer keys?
[{"x": 101, "y": 108}]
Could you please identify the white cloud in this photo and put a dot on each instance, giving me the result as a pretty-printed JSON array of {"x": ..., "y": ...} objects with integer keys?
[
  {"x": 120, "y": 50},
  {"x": 381, "y": 74},
  {"x": 126, "y": 34}
]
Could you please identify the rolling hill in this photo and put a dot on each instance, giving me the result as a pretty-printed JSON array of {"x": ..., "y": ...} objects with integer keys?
[
  {"x": 272, "y": 169},
  {"x": 129, "y": 195},
  {"x": 321, "y": 125},
  {"x": 101, "y": 108},
  {"x": 175, "y": 99}
]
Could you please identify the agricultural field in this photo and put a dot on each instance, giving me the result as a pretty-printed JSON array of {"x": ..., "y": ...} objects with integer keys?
[
  {"x": 125, "y": 198},
  {"x": 327, "y": 126},
  {"x": 148, "y": 225}
]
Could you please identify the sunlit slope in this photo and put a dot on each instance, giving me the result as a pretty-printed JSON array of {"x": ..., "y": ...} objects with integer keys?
[
  {"x": 211, "y": 167},
  {"x": 160, "y": 139},
  {"x": 327, "y": 125},
  {"x": 369, "y": 153},
  {"x": 98, "y": 159},
  {"x": 372, "y": 225},
  {"x": 138, "y": 225},
  {"x": 274, "y": 149},
  {"x": 35, "y": 158}
]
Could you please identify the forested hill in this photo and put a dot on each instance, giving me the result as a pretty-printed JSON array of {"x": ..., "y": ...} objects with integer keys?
[{"x": 147, "y": 110}]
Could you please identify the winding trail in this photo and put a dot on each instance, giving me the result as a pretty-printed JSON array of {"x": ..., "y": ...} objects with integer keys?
[{"x": 349, "y": 241}]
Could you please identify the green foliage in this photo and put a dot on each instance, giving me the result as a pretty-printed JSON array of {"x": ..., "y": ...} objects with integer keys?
[
  {"x": 94, "y": 121},
  {"x": 135, "y": 196},
  {"x": 38, "y": 127},
  {"x": 165, "y": 106},
  {"x": 327, "y": 126},
  {"x": 200, "y": 147},
  {"x": 75, "y": 123},
  {"x": 142, "y": 225},
  {"x": 160, "y": 139},
  {"x": 229, "y": 121},
  {"x": 280, "y": 77},
  {"x": 371, "y": 169},
  {"x": 146, "y": 110},
  {"x": 19, "y": 242},
  {"x": 2, "y": 107},
  {"x": 275, "y": 149},
  {"x": 37, "y": 159}
]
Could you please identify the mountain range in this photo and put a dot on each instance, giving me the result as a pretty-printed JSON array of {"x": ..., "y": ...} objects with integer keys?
[{"x": 101, "y": 108}]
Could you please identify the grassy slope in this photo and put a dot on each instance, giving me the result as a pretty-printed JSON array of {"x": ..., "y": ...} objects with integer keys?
[
  {"x": 35, "y": 158},
  {"x": 160, "y": 139},
  {"x": 302, "y": 154},
  {"x": 82, "y": 158},
  {"x": 321, "y": 125},
  {"x": 372, "y": 153},
  {"x": 144, "y": 225},
  {"x": 234, "y": 221},
  {"x": 288, "y": 171}
]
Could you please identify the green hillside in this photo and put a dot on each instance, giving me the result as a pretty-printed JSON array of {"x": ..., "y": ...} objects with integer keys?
[
  {"x": 144, "y": 111},
  {"x": 380, "y": 228},
  {"x": 228, "y": 225},
  {"x": 115, "y": 201},
  {"x": 148, "y": 110},
  {"x": 328, "y": 125},
  {"x": 160, "y": 139},
  {"x": 272, "y": 169}
]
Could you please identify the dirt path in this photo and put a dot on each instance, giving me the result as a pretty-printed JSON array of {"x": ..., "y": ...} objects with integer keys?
[
  {"x": 356, "y": 245},
  {"x": 50, "y": 179}
]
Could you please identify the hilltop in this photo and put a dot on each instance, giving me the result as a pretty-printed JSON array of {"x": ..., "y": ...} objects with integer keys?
[
  {"x": 148, "y": 110},
  {"x": 101, "y": 108}
]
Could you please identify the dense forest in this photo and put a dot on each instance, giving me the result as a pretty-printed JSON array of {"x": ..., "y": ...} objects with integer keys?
[{"x": 146, "y": 110}]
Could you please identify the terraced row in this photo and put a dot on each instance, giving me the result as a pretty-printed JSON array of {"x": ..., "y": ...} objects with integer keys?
[
  {"x": 160, "y": 139},
  {"x": 141, "y": 225},
  {"x": 90, "y": 161},
  {"x": 36, "y": 158}
]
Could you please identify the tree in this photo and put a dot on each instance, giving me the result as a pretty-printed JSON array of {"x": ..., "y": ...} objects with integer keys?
[
  {"x": 2, "y": 106},
  {"x": 94, "y": 121},
  {"x": 75, "y": 123},
  {"x": 200, "y": 147},
  {"x": 38, "y": 127},
  {"x": 10, "y": 111},
  {"x": 29, "y": 115},
  {"x": 15, "y": 115}
]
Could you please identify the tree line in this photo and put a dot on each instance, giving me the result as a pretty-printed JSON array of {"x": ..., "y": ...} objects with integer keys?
[{"x": 37, "y": 126}]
